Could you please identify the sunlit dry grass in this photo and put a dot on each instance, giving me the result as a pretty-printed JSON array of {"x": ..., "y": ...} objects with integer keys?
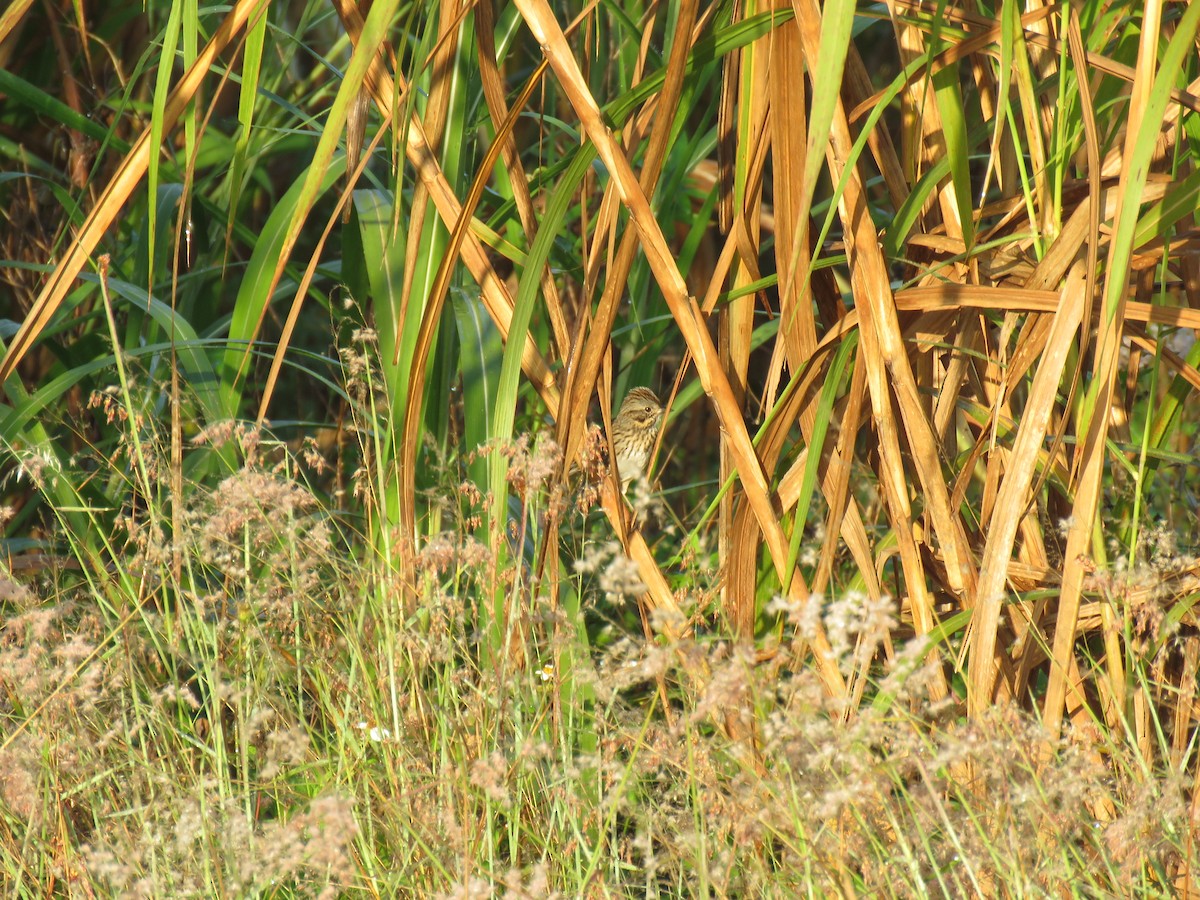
[{"x": 278, "y": 723}]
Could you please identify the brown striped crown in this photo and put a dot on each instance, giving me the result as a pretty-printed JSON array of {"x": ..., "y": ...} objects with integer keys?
[{"x": 641, "y": 407}]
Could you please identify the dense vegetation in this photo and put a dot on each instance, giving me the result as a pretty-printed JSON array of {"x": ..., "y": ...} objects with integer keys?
[{"x": 315, "y": 582}]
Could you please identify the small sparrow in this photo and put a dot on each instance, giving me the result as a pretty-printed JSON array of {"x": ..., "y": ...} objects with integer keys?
[{"x": 634, "y": 430}]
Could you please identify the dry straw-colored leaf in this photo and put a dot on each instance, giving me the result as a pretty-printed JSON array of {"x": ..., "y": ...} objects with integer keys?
[{"x": 1015, "y": 495}]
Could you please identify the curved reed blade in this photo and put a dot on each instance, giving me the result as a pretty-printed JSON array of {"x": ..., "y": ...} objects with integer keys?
[
  {"x": 119, "y": 189},
  {"x": 1015, "y": 490},
  {"x": 890, "y": 372}
]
